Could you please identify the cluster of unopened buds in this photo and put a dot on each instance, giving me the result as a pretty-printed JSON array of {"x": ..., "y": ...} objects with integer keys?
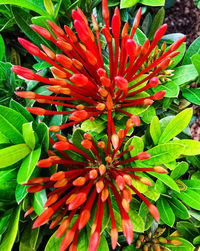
[
  {"x": 155, "y": 242},
  {"x": 100, "y": 176},
  {"x": 81, "y": 74}
]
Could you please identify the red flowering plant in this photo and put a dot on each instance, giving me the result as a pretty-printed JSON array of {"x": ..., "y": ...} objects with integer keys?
[
  {"x": 98, "y": 173},
  {"x": 81, "y": 74}
]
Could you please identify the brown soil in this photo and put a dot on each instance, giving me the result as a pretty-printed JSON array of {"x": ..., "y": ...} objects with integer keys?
[{"x": 184, "y": 17}]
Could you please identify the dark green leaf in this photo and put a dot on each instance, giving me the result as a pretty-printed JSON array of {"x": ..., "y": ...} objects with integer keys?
[
  {"x": 43, "y": 135},
  {"x": 20, "y": 109},
  {"x": 194, "y": 47},
  {"x": 179, "y": 209},
  {"x": 196, "y": 61},
  {"x": 157, "y": 22},
  {"x": 165, "y": 211},
  {"x": 11, "y": 234},
  {"x": 20, "y": 192},
  {"x": 11, "y": 124},
  {"x": 179, "y": 170},
  {"x": 2, "y": 46},
  {"x": 38, "y": 202},
  {"x": 187, "y": 230},
  {"x": 192, "y": 95}
]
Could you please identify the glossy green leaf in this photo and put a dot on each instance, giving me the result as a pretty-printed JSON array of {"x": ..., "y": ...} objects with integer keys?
[
  {"x": 192, "y": 147},
  {"x": 190, "y": 197},
  {"x": 171, "y": 88},
  {"x": 20, "y": 192},
  {"x": 165, "y": 211},
  {"x": 193, "y": 49},
  {"x": 43, "y": 135},
  {"x": 187, "y": 230},
  {"x": 34, "y": 5},
  {"x": 179, "y": 170},
  {"x": 152, "y": 194},
  {"x": 39, "y": 200},
  {"x": 98, "y": 125},
  {"x": 155, "y": 130},
  {"x": 165, "y": 179},
  {"x": 28, "y": 135},
  {"x": 196, "y": 240},
  {"x": 192, "y": 95},
  {"x": 196, "y": 61},
  {"x": 176, "y": 125},
  {"x": 139, "y": 37},
  {"x": 160, "y": 187},
  {"x": 184, "y": 246},
  {"x": 153, "y": 2},
  {"x": 2, "y": 46},
  {"x": 184, "y": 74},
  {"x": 148, "y": 114},
  {"x": 162, "y": 154},
  {"x": 28, "y": 165},
  {"x": 8, "y": 183},
  {"x": 138, "y": 223},
  {"x": 11, "y": 124},
  {"x": 23, "y": 20},
  {"x": 128, "y": 3},
  {"x": 179, "y": 57},
  {"x": 192, "y": 184},
  {"x": 29, "y": 238},
  {"x": 178, "y": 208},
  {"x": 12, "y": 154},
  {"x": 11, "y": 234},
  {"x": 138, "y": 146},
  {"x": 20, "y": 109},
  {"x": 157, "y": 22},
  {"x": 4, "y": 220}
]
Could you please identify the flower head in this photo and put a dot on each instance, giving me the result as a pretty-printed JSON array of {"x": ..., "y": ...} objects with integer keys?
[
  {"x": 80, "y": 72},
  {"x": 96, "y": 175}
]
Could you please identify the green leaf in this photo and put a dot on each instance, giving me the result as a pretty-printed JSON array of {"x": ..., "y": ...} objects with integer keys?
[
  {"x": 162, "y": 154},
  {"x": 139, "y": 37},
  {"x": 193, "y": 48},
  {"x": 43, "y": 135},
  {"x": 34, "y": 5},
  {"x": 190, "y": 197},
  {"x": 179, "y": 209},
  {"x": 128, "y": 3},
  {"x": 187, "y": 230},
  {"x": 165, "y": 179},
  {"x": 12, "y": 154},
  {"x": 49, "y": 7},
  {"x": 23, "y": 20},
  {"x": 4, "y": 220},
  {"x": 29, "y": 238},
  {"x": 20, "y": 109},
  {"x": 137, "y": 109},
  {"x": 152, "y": 194},
  {"x": 176, "y": 125},
  {"x": 157, "y": 22},
  {"x": 184, "y": 74},
  {"x": 138, "y": 223},
  {"x": 196, "y": 61},
  {"x": 28, "y": 135},
  {"x": 130, "y": 248},
  {"x": 20, "y": 192},
  {"x": 39, "y": 200},
  {"x": 192, "y": 184},
  {"x": 192, "y": 147},
  {"x": 192, "y": 95},
  {"x": 103, "y": 245},
  {"x": 11, "y": 124},
  {"x": 184, "y": 246},
  {"x": 138, "y": 146},
  {"x": 155, "y": 130},
  {"x": 178, "y": 58},
  {"x": 148, "y": 114},
  {"x": 28, "y": 165},
  {"x": 2, "y": 46},
  {"x": 196, "y": 240},
  {"x": 179, "y": 170},
  {"x": 165, "y": 211},
  {"x": 171, "y": 88},
  {"x": 11, "y": 234},
  {"x": 153, "y": 2},
  {"x": 8, "y": 183},
  {"x": 98, "y": 125}
]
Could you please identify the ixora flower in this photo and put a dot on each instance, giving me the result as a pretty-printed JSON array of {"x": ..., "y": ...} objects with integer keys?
[
  {"x": 97, "y": 176},
  {"x": 81, "y": 72}
]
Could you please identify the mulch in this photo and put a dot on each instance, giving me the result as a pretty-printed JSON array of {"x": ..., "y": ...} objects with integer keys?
[{"x": 184, "y": 17}]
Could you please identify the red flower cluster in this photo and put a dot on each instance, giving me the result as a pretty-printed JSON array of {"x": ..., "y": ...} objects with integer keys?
[
  {"x": 80, "y": 71},
  {"x": 98, "y": 177}
]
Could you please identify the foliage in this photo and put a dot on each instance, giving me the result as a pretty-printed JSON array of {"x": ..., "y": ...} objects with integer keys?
[{"x": 161, "y": 140}]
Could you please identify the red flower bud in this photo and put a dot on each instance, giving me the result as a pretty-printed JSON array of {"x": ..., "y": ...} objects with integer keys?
[
  {"x": 55, "y": 27},
  {"x": 160, "y": 32},
  {"x": 143, "y": 155},
  {"x": 86, "y": 144},
  {"x": 42, "y": 31},
  {"x": 116, "y": 25},
  {"x": 79, "y": 115},
  {"x": 122, "y": 83},
  {"x": 154, "y": 212},
  {"x": 32, "y": 48},
  {"x": 120, "y": 182},
  {"x": 131, "y": 48},
  {"x": 79, "y": 79},
  {"x": 153, "y": 82},
  {"x": 136, "y": 120},
  {"x": 61, "y": 146},
  {"x": 36, "y": 110},
  {"x": 159, "y": 95}
]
